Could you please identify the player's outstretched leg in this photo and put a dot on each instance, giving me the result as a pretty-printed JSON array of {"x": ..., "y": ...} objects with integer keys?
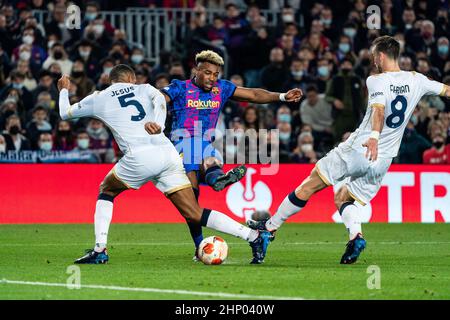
[
  {"x": 351, "y": 216},
  {"x": 184, "y": 201},
  {"x": 195, "y": 229},
  {"x": 292, "y": 204},
  {"x": 109, "y": 189}
]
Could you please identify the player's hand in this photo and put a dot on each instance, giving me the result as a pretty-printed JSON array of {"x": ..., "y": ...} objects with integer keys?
[
  {"x": 338, "y": 104},
  {"x": 104, "y": 79},
  {"x": 64, "y": 82},
  {"x": 372, "y": 149},
  {"x": 153, "y": 128},
  {"x": 294, "y": 95}
]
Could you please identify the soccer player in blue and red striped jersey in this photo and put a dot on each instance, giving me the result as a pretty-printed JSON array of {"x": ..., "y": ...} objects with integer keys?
[{"x": 195, "y": 106}]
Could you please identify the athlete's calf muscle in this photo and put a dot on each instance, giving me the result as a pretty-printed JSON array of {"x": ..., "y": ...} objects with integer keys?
[
  {"x": 310, "y": 185},
  {"x": 185, "y": 202}
]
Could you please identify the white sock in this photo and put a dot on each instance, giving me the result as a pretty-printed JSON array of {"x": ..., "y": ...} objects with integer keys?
[
  {"x": 352, "y": 219},
  {"x": 290, "y": 205},
  {"x": 102, "y": 218},
  {"x": 223, "y": 223}
]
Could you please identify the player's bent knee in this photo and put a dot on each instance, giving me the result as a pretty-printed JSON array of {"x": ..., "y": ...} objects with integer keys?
[{"x": 211, "y": 162}]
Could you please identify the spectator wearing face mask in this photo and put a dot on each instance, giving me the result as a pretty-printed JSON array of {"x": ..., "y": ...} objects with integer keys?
[
  {"x": 424, "y": 40},
  {"x": 45, "y": 142},
  {"x": 17, "y": 80},
  {"x": 95, "y": 32},
  {"x": 36, "y": 54},
  {"x": 329, "y": 29},
  {"x": 176, "y": 71},
  {"x": 63, "y": 138},
  {"x": 58, "y": 55},
  {"x": 439, "y": 153},
  {"x": 23, "y": 67},
  {"x": 345, "y": 94},
  {"x": 357, "y": 38},
  {"x": 323, "y": 75},
  {"x": 413, "y": 144},
  {"x": 100, "y": 139},
  {"x": 137, "y": 56},
  {"x": 440, "y": 55},
  {"x": 298, "y": 77},
  {"x": 15, "y": 141},
  {"x": 56, "y": 71},
  {"x": 92, "y": 14},
  {"x": 285, "y": 138},
  {"x": 84, "y": 84},
  {"x": 83, "y": 143},
  {"x": 304, "y": 151},
  {"x": 38, "y": 124},
  {"x": 102, "y": 80},
  {"x": 284, "y": 114},
  {"x": 316, "y": 111},
  {"x": 89, "y": 54},
  {"x": 345, "y": 49}
]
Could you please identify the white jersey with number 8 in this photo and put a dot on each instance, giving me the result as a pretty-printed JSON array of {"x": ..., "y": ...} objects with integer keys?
[{"x": 399, "y": 92}]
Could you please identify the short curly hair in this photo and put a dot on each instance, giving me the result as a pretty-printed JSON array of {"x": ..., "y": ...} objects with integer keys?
[{"x": 209, "y": 56}]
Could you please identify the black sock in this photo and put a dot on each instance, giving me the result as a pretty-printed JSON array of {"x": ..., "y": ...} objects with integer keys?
[
  {"x": 106, "y": 197},
  {"x": 196, "y": 233},
  {"x": 205, "y": 217},
  {"x": 212, "y": 174}
]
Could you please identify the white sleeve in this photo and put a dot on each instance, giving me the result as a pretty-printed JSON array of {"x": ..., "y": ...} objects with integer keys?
[
  {"x": 84, "y": 108},
  {"x": 430, "y": 87},
  {"x": 159, "y": 105},
  {"x": 375, "y": 88},
  {"x": 160, "y": 110}
]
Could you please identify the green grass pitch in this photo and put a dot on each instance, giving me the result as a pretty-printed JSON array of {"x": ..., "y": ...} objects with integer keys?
[{"x": 302, "y": 262}]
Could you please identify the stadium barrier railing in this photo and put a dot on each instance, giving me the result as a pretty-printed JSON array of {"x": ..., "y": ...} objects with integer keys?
[{"x": 156, "y": 29}]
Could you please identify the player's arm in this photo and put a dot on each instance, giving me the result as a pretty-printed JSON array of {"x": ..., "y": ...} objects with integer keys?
[
  {"x": 256, "y": 95},
  {"x": 446, "y": 91},
  {"x": 166, "y": 97},
  {"x": 173, "y": 90},
  {"x": 376, "y": 101},
  {"x": 432, "y": 87},
  {"x": 84, "y": 108},
  {"x": 159, "y": 100},
  {"x": 377, "y": 125}
]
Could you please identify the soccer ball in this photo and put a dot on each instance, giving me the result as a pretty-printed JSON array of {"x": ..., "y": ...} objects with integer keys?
[{"x": 213, "y": 250}]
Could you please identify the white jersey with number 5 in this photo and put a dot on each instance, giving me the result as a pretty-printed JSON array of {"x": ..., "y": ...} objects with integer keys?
[
  {"x": 125, "y": 108},
  {"x": 399, "y": 92}
]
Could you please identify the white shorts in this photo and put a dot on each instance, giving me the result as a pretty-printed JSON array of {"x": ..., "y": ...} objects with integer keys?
[
  {"x": 161, "y": 165},
  {"x": 362, "y": 177}
]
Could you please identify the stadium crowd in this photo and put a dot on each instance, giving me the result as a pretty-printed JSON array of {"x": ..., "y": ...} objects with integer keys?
[{"x": 328, "y": 58}]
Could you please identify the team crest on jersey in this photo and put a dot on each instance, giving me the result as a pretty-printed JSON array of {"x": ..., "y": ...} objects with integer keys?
[{"x": 215, "y": 90}]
